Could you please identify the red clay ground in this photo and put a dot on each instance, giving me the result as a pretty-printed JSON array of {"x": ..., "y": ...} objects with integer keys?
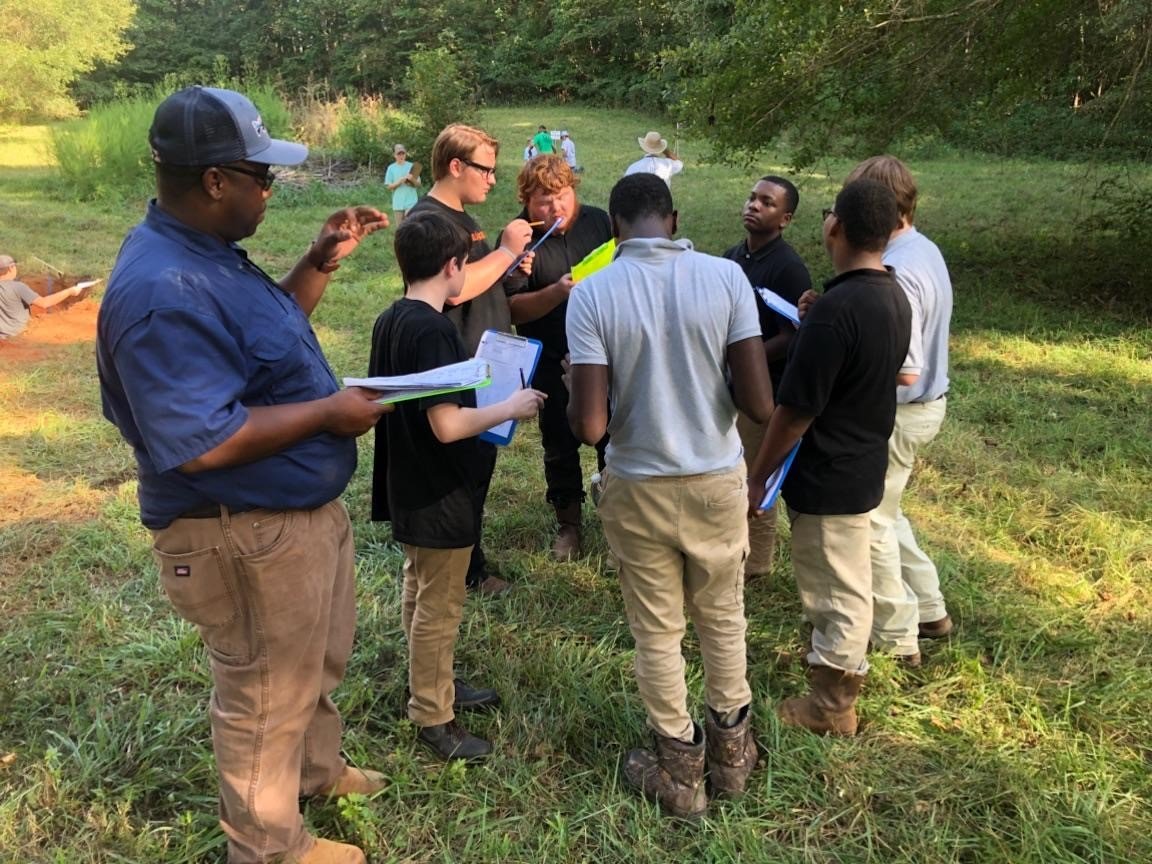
[{"x": 68, "y": 323}]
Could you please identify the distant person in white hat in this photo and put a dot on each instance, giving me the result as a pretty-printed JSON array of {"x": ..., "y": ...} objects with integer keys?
[
  {"x": 658, "y": 159},
  {"x": 16, "y": 298}
]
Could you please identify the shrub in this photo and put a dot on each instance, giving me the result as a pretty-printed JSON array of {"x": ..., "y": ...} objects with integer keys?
[{"x": 106, "y": 152}]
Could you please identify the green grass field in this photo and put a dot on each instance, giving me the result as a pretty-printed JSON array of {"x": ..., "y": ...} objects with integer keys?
[{"x": 1023, "y": 739}]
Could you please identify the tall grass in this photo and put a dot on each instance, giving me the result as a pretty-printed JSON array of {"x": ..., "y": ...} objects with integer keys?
[{"x": 106, "y": 152}]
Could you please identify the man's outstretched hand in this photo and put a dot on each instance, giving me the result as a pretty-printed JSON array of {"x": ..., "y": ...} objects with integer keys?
[{"x": 341, "y": 233}]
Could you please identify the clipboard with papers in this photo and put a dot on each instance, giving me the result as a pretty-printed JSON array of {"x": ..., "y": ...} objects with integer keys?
[
  {"x": 512, "y": 361},
  {"x": 776, "y": 480},
  {"x": 465, "y": 375}
]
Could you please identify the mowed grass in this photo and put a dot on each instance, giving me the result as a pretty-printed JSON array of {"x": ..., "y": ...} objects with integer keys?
[{"x": 1023, "y": 739}]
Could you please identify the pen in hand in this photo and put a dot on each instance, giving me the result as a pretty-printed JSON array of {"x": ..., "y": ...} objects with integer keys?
[{"x": 523, "y": 383}]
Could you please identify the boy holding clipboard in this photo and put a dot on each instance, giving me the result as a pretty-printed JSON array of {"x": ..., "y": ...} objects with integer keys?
[{"x": 426, "y": 474}]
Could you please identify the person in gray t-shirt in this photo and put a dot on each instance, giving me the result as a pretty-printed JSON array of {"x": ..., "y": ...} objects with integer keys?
[
  {"x": 16, "y": 299},
  {"x": 906, "y": 592},
  {"x": 672, "y": 337}
]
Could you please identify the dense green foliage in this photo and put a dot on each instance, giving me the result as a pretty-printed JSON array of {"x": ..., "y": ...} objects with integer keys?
[
  {"x": 1047, "y": 77},
  {"x": 1059, "y": 78},
  {"x": 46, "y": 44}
]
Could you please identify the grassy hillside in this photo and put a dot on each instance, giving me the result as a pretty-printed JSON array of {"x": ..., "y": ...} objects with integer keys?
[{"x": 1023, "y": 739}]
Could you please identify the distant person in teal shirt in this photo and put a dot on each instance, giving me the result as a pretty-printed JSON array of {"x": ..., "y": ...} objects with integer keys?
[
  {"x": 543, "y": 141},
  {"x": 400, "y": 179}
]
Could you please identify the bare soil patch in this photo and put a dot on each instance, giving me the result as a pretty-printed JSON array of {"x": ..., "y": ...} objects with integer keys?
[{"x": 68, "y": 323}]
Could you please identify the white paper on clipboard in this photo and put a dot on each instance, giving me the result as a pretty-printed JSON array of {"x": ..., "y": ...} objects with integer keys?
[{"x": 512, "y": 361}]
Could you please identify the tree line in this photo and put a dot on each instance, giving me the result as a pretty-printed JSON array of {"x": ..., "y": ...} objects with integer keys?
[{"x": 1041, "y": 77}]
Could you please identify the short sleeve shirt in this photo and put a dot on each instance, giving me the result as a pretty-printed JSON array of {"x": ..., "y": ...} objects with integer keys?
[
  {"x": 489, "y": 311},
  {"x": 661, "y": 317},
  {"x": 842, "y": 369},
  {"x": 191, "y": 335},
  {"x": 555, "y": 257},
  {"x": 15, "y": 298},
  {"x": 404, "y": 196},
  {"x": 778, "y": 268},
  {"x": 423, "y": 486}
]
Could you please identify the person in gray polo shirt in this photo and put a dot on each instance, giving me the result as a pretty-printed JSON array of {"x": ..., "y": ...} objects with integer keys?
[
  {"x": 16, "y": 299},
  {"x": 906, "y": 592}
]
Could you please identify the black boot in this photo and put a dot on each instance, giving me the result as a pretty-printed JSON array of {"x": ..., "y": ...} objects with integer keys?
[
  {"x": 452, "y": 741},
  {"x": 468, "y": 698}
]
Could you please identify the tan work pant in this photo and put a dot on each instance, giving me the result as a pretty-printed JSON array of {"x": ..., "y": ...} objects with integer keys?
[
  {"x": 905, "y": 584},
  {"x": 432, "y": 608},
  {"x": 834, "y": 578},
  {"x": 761, "y": 530},
  {"x": 273, "y": 595},
  {"x": 682, "y": 540}
]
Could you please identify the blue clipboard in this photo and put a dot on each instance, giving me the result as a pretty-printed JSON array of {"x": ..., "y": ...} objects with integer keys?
[
  {"x": 512, "y": 361},
  {"x": 776, "y": 480},
  {"x": 533, "y": 247}
]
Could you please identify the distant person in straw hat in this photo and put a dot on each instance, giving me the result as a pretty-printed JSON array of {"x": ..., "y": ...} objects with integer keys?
[
  {"x": 403, "y": 182},
  {"x": 16, "y": 298},
  {"x": 658, "y": 159}
]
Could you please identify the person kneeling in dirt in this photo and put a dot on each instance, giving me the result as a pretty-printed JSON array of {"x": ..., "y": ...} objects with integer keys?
[
  {"x": 244, "y": 443},
  {"x": 16, "y": 299}
]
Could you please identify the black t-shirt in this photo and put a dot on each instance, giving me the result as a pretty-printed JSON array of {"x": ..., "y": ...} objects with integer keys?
[
  {"x": 778, "y": 268},
  {"x": 555, "y": 257},
  {"x": 842, "y": 369},
  {"x": 424, "y": 487},
  {"x": 489, "y": 311}
]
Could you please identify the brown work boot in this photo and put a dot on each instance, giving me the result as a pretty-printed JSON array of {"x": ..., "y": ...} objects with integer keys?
[
  {"x": 936, "y": 629},
  {"x": 731, "y": 754},
  {"x": 566, "y": 546},
  {"x": 829, "y": 707},
  {"x": 331, "y": 852},
  {"x": 355, "y": 781},
  {"x": 673, "y": 776}
]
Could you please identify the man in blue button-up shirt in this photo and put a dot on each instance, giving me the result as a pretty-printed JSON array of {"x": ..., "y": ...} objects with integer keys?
[{"x": 244, "y": 443}]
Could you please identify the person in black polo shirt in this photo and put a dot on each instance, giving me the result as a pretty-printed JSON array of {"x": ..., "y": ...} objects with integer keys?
[
  {"x": 463, "y": 172},
  {"x": 547, "y": 188},
  {"x": 768, "y": 262},
  {"x": 838, "y": 394}
]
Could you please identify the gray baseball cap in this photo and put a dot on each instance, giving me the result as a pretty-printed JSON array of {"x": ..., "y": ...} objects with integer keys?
[
  {"x": 7, "y": 261},
  {"x": 208, "y": 126}
]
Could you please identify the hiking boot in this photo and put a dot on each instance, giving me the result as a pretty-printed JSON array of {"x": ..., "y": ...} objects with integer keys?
[
  {"x": 829, "y": 707},
  {"x": 936, "y": 629},
  {"x": 730, "y": 753},
  {"x": 355, "y": 780},
  {"x": 452, "y": 741},
  {"x": 469, "y": 698},
  {"x": 673, "y": 776},
  {"x": 566, "y": 546},
  {"x": 331, "y": 852}
]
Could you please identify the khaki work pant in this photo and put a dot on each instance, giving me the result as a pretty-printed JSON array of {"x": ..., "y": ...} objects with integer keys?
[
  {"x": 273, "y": 595},
  {"x": 905, "y": 584},
  {"x": 682, "y": 540},
  {"x": 834, "y": 578},
  {"x": 762, "y": 530},
  {"x": 432, "y": 608}
]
